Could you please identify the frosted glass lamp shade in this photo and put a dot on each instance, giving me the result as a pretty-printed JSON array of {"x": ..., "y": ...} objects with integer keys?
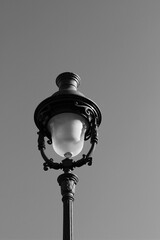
[{"x": 67, "y": 131}]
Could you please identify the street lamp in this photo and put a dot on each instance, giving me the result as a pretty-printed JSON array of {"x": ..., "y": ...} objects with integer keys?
[{"x": 67, "y": 119}]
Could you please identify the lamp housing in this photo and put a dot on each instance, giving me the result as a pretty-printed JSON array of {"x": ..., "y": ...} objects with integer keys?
[{"x": 67, "y": 119}]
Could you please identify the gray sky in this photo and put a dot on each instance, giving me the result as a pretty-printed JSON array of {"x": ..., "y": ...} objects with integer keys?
[{"x": 114, "y": 45}]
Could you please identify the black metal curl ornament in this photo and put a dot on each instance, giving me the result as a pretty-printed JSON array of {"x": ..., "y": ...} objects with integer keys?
[{"x": 67, "y": 100}]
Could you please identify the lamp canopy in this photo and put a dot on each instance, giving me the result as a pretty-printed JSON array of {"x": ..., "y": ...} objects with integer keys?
[{"x": 67, "y": 100}]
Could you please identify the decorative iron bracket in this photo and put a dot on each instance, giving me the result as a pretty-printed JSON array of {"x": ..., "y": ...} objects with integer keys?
[{"x": 67, "y": 164}]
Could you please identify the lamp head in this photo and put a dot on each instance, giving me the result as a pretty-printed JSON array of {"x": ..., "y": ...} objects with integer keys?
[{"x": 66, "y": 118}]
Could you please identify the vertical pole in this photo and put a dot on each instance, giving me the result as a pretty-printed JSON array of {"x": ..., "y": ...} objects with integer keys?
[{"x": 67, "y": 182}]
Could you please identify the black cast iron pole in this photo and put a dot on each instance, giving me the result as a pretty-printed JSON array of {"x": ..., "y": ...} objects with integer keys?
[{"x": 67, "y": 181}]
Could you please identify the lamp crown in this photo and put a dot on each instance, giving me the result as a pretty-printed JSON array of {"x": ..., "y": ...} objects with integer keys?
[{"x": 68, "y": 81}]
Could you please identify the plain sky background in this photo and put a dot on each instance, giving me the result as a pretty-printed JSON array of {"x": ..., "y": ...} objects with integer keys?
[{"x": 114, "y": 45}]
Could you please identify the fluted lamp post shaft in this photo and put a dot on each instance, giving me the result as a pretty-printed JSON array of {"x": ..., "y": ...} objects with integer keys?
[{"x": 67, "y": 182}]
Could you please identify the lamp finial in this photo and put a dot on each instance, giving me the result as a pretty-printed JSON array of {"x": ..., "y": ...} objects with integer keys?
[{"x": 68, "y": 81}]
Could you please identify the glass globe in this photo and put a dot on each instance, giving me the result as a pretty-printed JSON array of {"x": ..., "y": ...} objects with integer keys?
[{"x": 67, "y": 131}]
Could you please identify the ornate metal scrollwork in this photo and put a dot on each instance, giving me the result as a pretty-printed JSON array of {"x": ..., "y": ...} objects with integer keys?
[{"x": 67, "y": 164}]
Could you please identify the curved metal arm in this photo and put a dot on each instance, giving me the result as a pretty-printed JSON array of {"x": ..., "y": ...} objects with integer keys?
[
  {"x": 68, "y": 164},
  {"x": 49, "y": 163},
  {"x": 94, "y": 138}
]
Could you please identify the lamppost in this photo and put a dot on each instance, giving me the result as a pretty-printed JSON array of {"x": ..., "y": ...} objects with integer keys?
[{"x": 67, "y": 119}]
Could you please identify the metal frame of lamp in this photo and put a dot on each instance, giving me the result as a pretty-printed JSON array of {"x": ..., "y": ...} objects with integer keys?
[{"x": 67, "y": 99}]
